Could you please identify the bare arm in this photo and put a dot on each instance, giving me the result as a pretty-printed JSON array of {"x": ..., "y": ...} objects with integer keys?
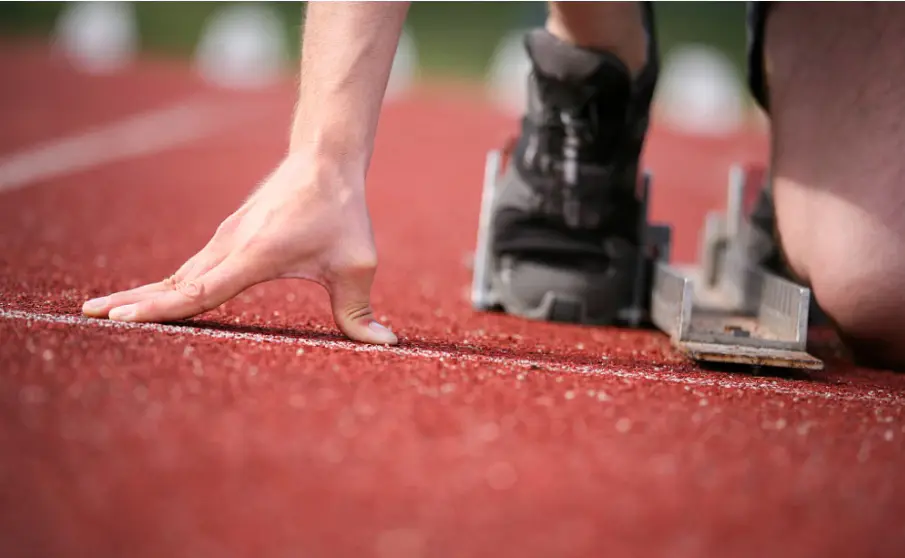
[
  {"x": 347, "y": 55},
  {"x": 309, "y": 219}
]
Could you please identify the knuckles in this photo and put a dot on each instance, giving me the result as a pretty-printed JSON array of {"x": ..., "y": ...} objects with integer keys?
[{"x": 191, "y": 289}]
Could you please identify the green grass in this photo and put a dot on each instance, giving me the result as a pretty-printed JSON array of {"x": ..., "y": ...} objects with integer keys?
[{"x": 455, "y": 39}]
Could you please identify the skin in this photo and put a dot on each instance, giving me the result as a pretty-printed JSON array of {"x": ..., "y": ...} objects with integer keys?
[
  {"x": 615, "y": 27},
  {"x": 838, "y": 139},
  {"x": 309, "y": 219},
  {"x": 837, "y": 167}
]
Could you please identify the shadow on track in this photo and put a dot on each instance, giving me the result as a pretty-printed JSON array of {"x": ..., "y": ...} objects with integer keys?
[{"x": 676, "y": 364}]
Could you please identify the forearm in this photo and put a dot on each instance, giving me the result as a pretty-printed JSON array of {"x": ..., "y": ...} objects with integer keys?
[{"x": 347, "y": 55}]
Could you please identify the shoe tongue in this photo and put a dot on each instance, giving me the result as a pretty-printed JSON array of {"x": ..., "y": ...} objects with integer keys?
[{"x": 566, "y": 62}]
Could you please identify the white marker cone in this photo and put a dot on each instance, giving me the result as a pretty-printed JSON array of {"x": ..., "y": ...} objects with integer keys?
[
  {"x": 699, "y": 92},
  {"x": 242, "y": 47},
  {"x": 97, "y": 37},
  {"x": 507, "y": 76},
  {"x": 405, "y": 67}
]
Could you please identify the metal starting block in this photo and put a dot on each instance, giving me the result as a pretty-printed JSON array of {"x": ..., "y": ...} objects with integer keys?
[
  {"x": 482, "y": 297},
  {"x": 727, "y": 309},
  {"x": 723, "y": 310}
]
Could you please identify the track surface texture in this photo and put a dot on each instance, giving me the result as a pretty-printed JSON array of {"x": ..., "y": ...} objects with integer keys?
[{"x": 256, "y": 430}]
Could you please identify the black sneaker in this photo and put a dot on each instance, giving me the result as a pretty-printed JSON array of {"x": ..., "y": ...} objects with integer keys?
[{"x": 565, "y": 227}]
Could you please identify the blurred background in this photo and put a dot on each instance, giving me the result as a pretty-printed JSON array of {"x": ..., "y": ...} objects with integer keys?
[{"x": 702, "y": 45}]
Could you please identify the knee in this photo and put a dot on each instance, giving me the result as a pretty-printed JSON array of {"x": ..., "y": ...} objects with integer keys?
[
  {"x": 836, "y": 113},
  {"x": 843, "y": 233},
  {"x": 863, "y": 293},
  {"x": 849, "y": 246},
  {"x": 870, "y": 321},
  {"x": 838, "y": 171}
]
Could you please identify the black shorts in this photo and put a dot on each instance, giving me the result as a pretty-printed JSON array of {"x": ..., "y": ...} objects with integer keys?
[{"x": 757, "y": 19}]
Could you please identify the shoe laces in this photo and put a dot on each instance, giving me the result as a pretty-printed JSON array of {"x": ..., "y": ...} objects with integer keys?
[
  {"x": 571, "y": 140},
  {"x": 570, "y": 133}
]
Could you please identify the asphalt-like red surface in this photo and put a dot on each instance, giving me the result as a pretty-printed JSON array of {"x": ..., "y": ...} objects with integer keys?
[{"x": 258, "y": 431}]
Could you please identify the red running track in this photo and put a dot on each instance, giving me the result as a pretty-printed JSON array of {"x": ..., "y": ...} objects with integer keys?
[{"x": 256, "y": 430}]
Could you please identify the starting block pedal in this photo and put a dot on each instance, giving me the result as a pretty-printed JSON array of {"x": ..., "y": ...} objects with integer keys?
[{"x": 728, "y": 309}]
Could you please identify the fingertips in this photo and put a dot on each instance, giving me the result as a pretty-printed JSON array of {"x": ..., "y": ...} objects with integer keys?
[
  {"x": 381, "y": 334},
  {"x": 190, "y": 298},
  {"x": 126, "y": 313},
  {"x": 96, "y": 307},
  {"x": 366, "y": 330},
  {"x": 101, "y": 306},
  {"x": 167, "y": 306},
  {"x": 352, "y": 312}
]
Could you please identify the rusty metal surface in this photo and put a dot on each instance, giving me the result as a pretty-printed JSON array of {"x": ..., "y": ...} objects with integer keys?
[{"x": 753, "y": 356}]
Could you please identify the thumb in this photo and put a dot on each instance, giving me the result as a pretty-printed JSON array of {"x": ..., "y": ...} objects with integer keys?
[{"x": 350, "y": 297}]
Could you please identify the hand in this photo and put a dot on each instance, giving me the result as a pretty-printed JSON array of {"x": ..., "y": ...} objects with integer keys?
[{"x": 309, "y": 220}]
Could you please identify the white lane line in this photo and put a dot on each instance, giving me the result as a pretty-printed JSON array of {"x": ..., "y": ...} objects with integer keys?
[
  {"x": 759, "y": 384},
  {"x": 140, "y": 134}
]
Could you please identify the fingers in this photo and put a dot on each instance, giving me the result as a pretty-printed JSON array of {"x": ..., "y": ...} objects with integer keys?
[
  {"x": 192, "y": 297},
  {"x": 100, "y": 307},
  {"x": 350, "y": 297},
  {"x": 166, "y": 301},
  {"x": 197, "y": 265},
  {"x": 209, "y": 256},
  {"x": 220, "y": 271}
]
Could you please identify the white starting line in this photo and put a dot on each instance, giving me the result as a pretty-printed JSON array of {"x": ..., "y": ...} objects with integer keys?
[{"x": 759, "y": 384}]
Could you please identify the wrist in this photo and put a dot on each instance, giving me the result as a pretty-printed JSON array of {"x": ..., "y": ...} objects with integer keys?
[
  {"x": 332, "y": 145},
  {"x": 332, "y": 165}
]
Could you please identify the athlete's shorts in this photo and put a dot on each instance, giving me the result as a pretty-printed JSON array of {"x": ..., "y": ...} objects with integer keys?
[{"x": 757, "y": 82}]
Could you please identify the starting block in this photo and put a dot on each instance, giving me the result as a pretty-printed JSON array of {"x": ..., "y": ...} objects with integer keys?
[
  {"x": 728, "y": 309},
  {"x": 725, "y": 309}
]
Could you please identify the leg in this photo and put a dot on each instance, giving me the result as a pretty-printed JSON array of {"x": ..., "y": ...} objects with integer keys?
[
  {"x": 837, "y": 102},
  {"x": 565, "y": 223},
  {"x": 617, "y": 28}
]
